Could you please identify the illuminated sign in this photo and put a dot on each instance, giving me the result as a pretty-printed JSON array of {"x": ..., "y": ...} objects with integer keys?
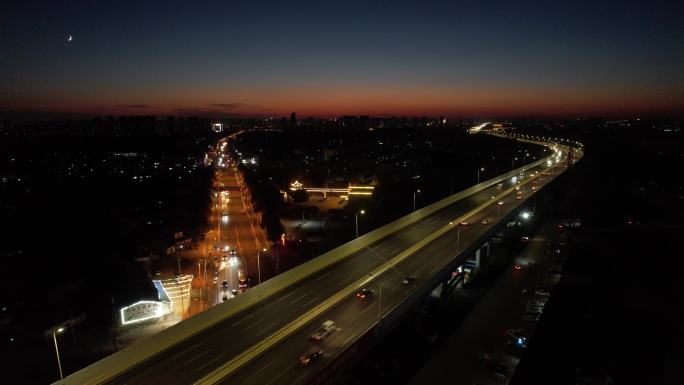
[{"x": 142, "y": 311}]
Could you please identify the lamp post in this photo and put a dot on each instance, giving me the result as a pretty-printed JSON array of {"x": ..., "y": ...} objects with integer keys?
[
  {"x": 478, "y": 174},
  {"x": 59, "y": 362},
  {"x": 259, "y": 263},
  {"x": 498, "y": 206},
  {"x": 513, "y": 161},
  {"x": 357, "y": 221},
  {"x": 458, "y": 238},
  {"x": 414, "y": 198}
]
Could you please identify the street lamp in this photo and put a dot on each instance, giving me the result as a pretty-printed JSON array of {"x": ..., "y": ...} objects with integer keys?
[
  {"x": 478, "y": 174},
  {"x": 513, "y": 161},
  {"x": 498, "y": 206},
  {"x": 259, "y": 263},
  {"x": 414, "y": 199},
  {"x": 458, "y": 239},
  {"x": 356, "y": 217},
  {"x": 59, "y": 363}
]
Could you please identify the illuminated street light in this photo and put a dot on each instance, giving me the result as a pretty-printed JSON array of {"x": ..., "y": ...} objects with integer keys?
[
  {"x": 59, "y": 362},
  {"x": 259, "y": 263},
  {"x": 414, "y": 199},
  {"x": 525, "y": 215},
  {"x": 478, "y": 174},
  {"x": 357, "y": 221}
]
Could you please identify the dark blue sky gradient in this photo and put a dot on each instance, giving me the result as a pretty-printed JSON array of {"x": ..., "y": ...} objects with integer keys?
[{"x": 454, "y": 58}]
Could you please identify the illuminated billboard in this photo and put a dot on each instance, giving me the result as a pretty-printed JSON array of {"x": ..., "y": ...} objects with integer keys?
[{"x": 142, "y": 311}]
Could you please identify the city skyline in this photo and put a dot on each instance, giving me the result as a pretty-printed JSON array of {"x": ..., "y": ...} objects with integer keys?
[{"x": 457, "y": 59}]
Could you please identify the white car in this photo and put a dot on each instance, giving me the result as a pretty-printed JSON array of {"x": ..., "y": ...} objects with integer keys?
[{"x": 326, "y": 329}]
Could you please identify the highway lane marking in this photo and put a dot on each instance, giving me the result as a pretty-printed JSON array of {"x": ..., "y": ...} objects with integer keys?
[
  {"x": 197, "y": 356},
  {"x": 280, "y": 374},
  {"x": 348, "y": 339},
  {"x": 297, "y": 300},
  {"x": 286, "y": 296},
  {"x": 253, "y": 324},
  {"x": 309, "y": 303},
  {"x": 199, "y": 369},
  {"x": 267, "y": 328},
  {"x": 259, "y": 371},
  {"x": 300, "y": 378},
  {"x": 323, "y": 276},
  {"x": 182, "y": 353},
  {"x": 242, "y": 320}
]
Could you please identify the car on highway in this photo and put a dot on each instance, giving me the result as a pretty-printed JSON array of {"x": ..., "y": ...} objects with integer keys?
[
  {"x": 308, "y": 358},
  {"x": 517, "y": 266},
  {"x": 518, "y": 197},
  {"x": 408, "y": 279},
  {"x": 524, "y": 239},
  {"x": 464, "y": 223},
  {"x": 485, "y": 221},
  {"x": 234, "y": 292},
  {"x": 364, "y": 293},
  {"x": 326, "y": 329},
  {"x": 215, "y": 280},
  {"x": 534, "y": 188},
  {"x": 224, "y": 297},
  {"x": 224, "y": 284}
]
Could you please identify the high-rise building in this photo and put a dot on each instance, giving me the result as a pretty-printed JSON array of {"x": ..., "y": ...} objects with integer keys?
[{"x": 293, "y": 120}]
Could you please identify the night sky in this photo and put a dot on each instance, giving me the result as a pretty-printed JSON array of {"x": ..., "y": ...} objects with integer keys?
[{"x": 328, "y": 58}]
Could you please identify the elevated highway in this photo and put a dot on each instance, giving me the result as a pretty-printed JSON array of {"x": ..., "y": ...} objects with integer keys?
[{"x": 258, "y": 336}]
